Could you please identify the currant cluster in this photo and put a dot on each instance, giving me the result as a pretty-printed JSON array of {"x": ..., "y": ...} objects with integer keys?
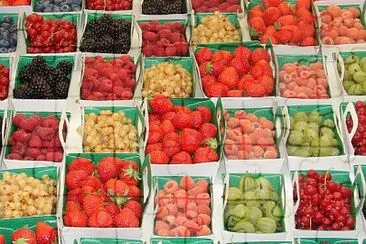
[
  {"x": 107, "y": 35},
  {"x": 359, "y": 139},
  {"x": 40, "y": 81},
  {"x": 49, "y": 35},
  {"x": 164, "y": 7},
  {"x": 110, "y": 5},
  {"x": 324, "y": 203}
]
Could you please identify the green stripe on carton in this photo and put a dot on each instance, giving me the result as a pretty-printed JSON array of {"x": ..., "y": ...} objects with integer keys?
[
  {"x": 229, "y": 46},
  {"x": 116, "y": 16},
  {"x": 327, "y": 240},
  {"x": 130, "y": 112},
  {"x": 262, "y": 242},
  {"x": 108, "y": 241},
  {"x": 359, "y": 54},
  {"x": 51, "y": 171},
  {"x": 301, "y": 59},
  {"x": 181, "y": 241},
  {"x": 162, "y": 180},
  {"x": 186, "y": 62},
  {"x": 5, "y": 61},
  {"x": 72, "y": 17},
  {"x": 8, "y": 226}
]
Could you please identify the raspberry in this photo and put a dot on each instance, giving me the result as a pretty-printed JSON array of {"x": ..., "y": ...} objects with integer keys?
[
  {"x": 46, "y": 133},
  {"x": 18, "y": 118},
  {"x": 32, "y": 152},
  {"x": 21, "y": 135},
  {"x": 50, "y": 122},
  {"x": 35, "y": 141},
  {"x": 170, "y": 50},
  {"x": 41, "y": 157},
  {"x": 54, "y": 156},
  {"x": 29, "y": 124},
  {"x": 150, "y": 36},
  {"x": 14, "y": 156}
]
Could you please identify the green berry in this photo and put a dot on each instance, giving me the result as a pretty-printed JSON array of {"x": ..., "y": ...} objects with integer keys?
[
  {"x": 351, "y": 59},
  {"x": 353, "y": 68},
  {"x": 328, "y": 123},
  {"x": 301, "y": 116},
  {"x": 359, "y": 76}
]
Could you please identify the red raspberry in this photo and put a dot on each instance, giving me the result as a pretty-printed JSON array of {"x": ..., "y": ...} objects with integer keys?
[
  {"x": 54, "y": 156},
  {"x": 15, "y": 156},
  {"x": 18, "y": 118},
  {"x": 46, "y": 133},
  {"x": 21, "y": 135},
  {"x": 35, "y": 141},
  {"x": 29, "y": 124},
  {"x": 32, "y": 152}
]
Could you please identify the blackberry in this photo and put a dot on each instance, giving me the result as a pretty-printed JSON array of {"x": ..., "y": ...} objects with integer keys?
[
  {"x": 62, "y": 89},
  {"x": 163, "y": 7},
  {"x": 175, "y": 7},
  {"x": 55, "y": 77},
  {"x": 27, "y": 73},
  {"x": 41, "y": 88},
  {"x": 65, "y": 67},
  {"x": 23, "y": 91},
  {"x": 38, "y": 63}
]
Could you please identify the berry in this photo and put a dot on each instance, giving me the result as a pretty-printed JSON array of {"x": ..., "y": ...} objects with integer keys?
[
  {"x": 82, "y": 164},
  {"x": 158, "y": 157},
  {"x": 190, "y": 140},
  {"x": 75, "y": 219},
  {"x": 208, "y": 130},
  {"x": 135, "y": 207},
  {"x": 45, "y": 233},
  {"x": 24, "y": 235},
  {"x": 161, "y": 104},
  {"x": 126, "y": 218},
  {"x": 181, "y": 158},
  {"x": 74, "y": 178}
]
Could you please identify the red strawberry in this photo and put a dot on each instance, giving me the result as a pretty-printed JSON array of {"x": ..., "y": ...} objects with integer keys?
[
  {"x": 205, "y": 154},
  {"x": 135, "y": 207},
  {"x": 270, "y": 15},
  {"x": 190, "y": 140},
  {"x": 45, "y": 234},
  {"x": 182, "y": 120},
  {"x": 167, "y": 126},
  {"x": 116, "y": 188},
  {"x": 181, "y": 158},
  {"x": 287, "y": 20},
  {"x": 24, "y": 235},
  {"x": 284, "y": 8},
  {"x": 241, "y": 65},
  {"x": 107, "y": 168},
  {"x": 183, "y": 109},
  {"x": 203, "y": 55},
  {"x": 246, "y": 79},
  {"x": 260, "y": 54},
  {"x": 208, "y": 80},
  {"x": 75, "y": 219},
  {"x": 272, "y": 3},
  {"x": 297, "y": 34},
  {"x": 255, "y": 90},
  {"x": 155, "y": 135},
  {"x": 82, "y": 164},
  {"x": 242, "y": 52},
  {"x": 216, "y": 90},
  {"x": 75, "y": 195},
  {"x": 171, "y": 136},
  {"x": 268, "y": 83},
  {"x": 307, "y": 30},
  {"x": 258, "y": 26},
  {"x": 305, "y": 15},
  {"x": 303, "y": 4},
  {"x": 101, "y": 218},
  {"x": 91, "y": 203},
  {"x": 308, "y": 41},
  {"x": 205, "y": 68},
  {"x": 229, "y": 77},
  {"x": 130, "y": 176},
  {"x": 284, "y": 36},
  {"x": 72, "y": 206},
  {"x": 112, "y": 208},
  {"x": 2, "y": 239},
  {"x": 206, "y": 113},
  {"x": 158, "y": 157},
  {"x": 208, "y": 130},
  {"x": 171, "y": 147},
  {"x": 74, "y": 178},
  {"x": 168, "y": 116},
  {"x": 92, "y": 181},
  {"x": 134, "y": 193},
  {"x": 153, "y": 147},
  {"x": 161, "y": 104},
  {"x": 126, "y": 218},
  {"x": 196, "y": 118}
]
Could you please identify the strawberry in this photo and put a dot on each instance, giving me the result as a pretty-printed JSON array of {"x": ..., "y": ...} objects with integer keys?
[
  {"x": 235, "y": 93},
  {"x": 161, "y": 104},
  {"x": 258, "y": 26},
  {"x": 271, "y": 3},
  {"x": 2, "y": 239},
  {"x": 196, "y": 118},
  {"x": 208, "y": 80},
  {"x": 134, "y": 193},
  {"x": 255, "y": 90},
  {"x": 116, "y": 188},
  {"x": 183, "y": 109},
  {"x": 91, "y": 203},
  {"x": 101, "y": 218},
  {"x": 260, "y": 54},
  {"x": 242, "y": 52},
  {"x": 308, "y": 41},
  {"x": 270, "y": 15},
  {"x": 297, "y": 34},
  {"x": 190, "y": 140},
  {"x": 217, "y": 67},
  {"x": 203, "y": 55},
  {"x": 303, "y": 4},
  {"x": 45, "y": 234},
  {"x": 92, "y": 181},
  {"x": 171, "y": 147},
  {"x": 130, "y": 176},
  {"x": 205, "y": 68},
  {"x": 107, "y": 169},
  {"x": 24, "y": 235},
  {"x": 222, "y": 55},
  {"x": 74, "y": 178},
  {"x": 245, "y": 80},
  {"x": 167, "y": 126},
  {"x": 229, "y": 77},
  {"x": 126, "y": 218},
  {"x": 72, "y": 206},
  {"x": 155, "y": 135},
  {"x": 181, "y": 158},
  {"x": 308, "y": 30},
  {"x": 135, "y": 207},
  {"x": 206, "y": 113},
  {"x": 255, "y": 13},
  {"x": 216, "y": 90},
  {"x": 75, "y": 195},
  {"x": 268, "y": 83},
  {"x": 205, "y": 154},
  {"x": 171, "y": 136},
  {"x": 287, "y": 20},
  {"x": 241, "y": 65},
  {"x": 284, "y": 8},
  {"x": 168, "y": 116},
  {"x": 82, "y": 164},
  {"x": 158, "y": 157},
  {"x": 75, "y": 219},
  {"x": 305, "y": 15},
  {"x": 284, "y": 36},
  {"x": 257, "y": 71},
  {"x": 153, "y": 147},
  {"x": 112, "y": 208},
  {"x": 208, "y": 130},
  {"x": 182, "y": 120}
]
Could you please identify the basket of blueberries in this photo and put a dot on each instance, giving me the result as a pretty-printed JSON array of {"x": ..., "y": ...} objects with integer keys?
[
  {"x": 47, "y": 6},
  {"x": 8, "y": 32}
]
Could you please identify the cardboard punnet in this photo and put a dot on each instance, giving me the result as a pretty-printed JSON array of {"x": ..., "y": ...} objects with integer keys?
[
  {"x": 17, "y": 20},
  {"x": 200, "y": 169},
  {"x": 354, "y": 170},
  {"x": 357, "y": 186},
  {"x": 140, "y": 15},
  {"x": 339, "y": 67},
  {"x": 278, "y": 183},
  {"x": 269, "y": 110},
  {"x": 69, "y": 234},
  {"x": 240, "y": 2},
  {"x": 137, "y": 61},
  {"x": 252, "y": 45},
  {"x": 52, "y": 60},
  {"x": 34, "y": 4},
  {"x": 185, "y": 62},
  {"x": 158, "y": 185},
  {"x": 328, "y": 110},
  {"x": 330, "y": 240},
  {"x": 106, "y": 241},
  {"x": 132, "y": 111},
  {"x": 61, "y": 114},
  {"x": 8, "y": 61}
]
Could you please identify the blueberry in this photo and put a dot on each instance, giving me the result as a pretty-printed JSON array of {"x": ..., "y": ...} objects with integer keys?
[
  {"x": 57, "y": 9},
  {"x": 4, "y": 43},
  {"x": 12, "y": 49},
  {"x": 75, "y": 7},
  {"x": 65, "y": 8},
  {"x": 58, "y": 2},
  {"x": 3, "y": 50},
  {"x": 78, "y": 2},
  {"x": 5, "y": 25},
  {"x": 12, "y": 42},
  {"x": 5, "y": 35}
]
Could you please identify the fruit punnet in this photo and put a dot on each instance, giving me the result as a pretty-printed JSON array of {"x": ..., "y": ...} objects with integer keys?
[
  {"x": 215, "y": 28},
  {"x": 35, "y": 138},
  {"x": 14, "y": 2},
  {"x": 43, "y": 234},
  {"x": 57, "y": 6},
  {"x": 354, "y": 81},
  {"x": 8, "y": 41},
  {"x": 112, "y": 5},
  {"x": 359, "y": 139},
  {"x": 109, "y": 132},
  {"x": 242, "y": 73},
  {"x": 49, "y": 35},
  {"x": 163, "y": 7},
  {"x": 108, "y": 79},
  {"x": 163, "y": 39},
  {"x": 168, "y": 79},
  {"x": 107, "y": 35},
  {"x": 184, "y": 208},
  {"x": 204, "y": 6},
  {"x": 324, "y": 203},
  {"x": 179, "y": 135},
  {"x": 283, "y": 23},
  {"x": 312, "y": 135},
  {"x": 24, "y": 195},
  {"x": 303, "y": 81},
  {"x": 4, "y": 82},
  {"x": 253, "y": 206},
  {"x": 102, "y": 196},
  {"x": 249, "y": 137},
  {"x": 341, "y": 26},
  {"x": 38, "y": 80}
]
